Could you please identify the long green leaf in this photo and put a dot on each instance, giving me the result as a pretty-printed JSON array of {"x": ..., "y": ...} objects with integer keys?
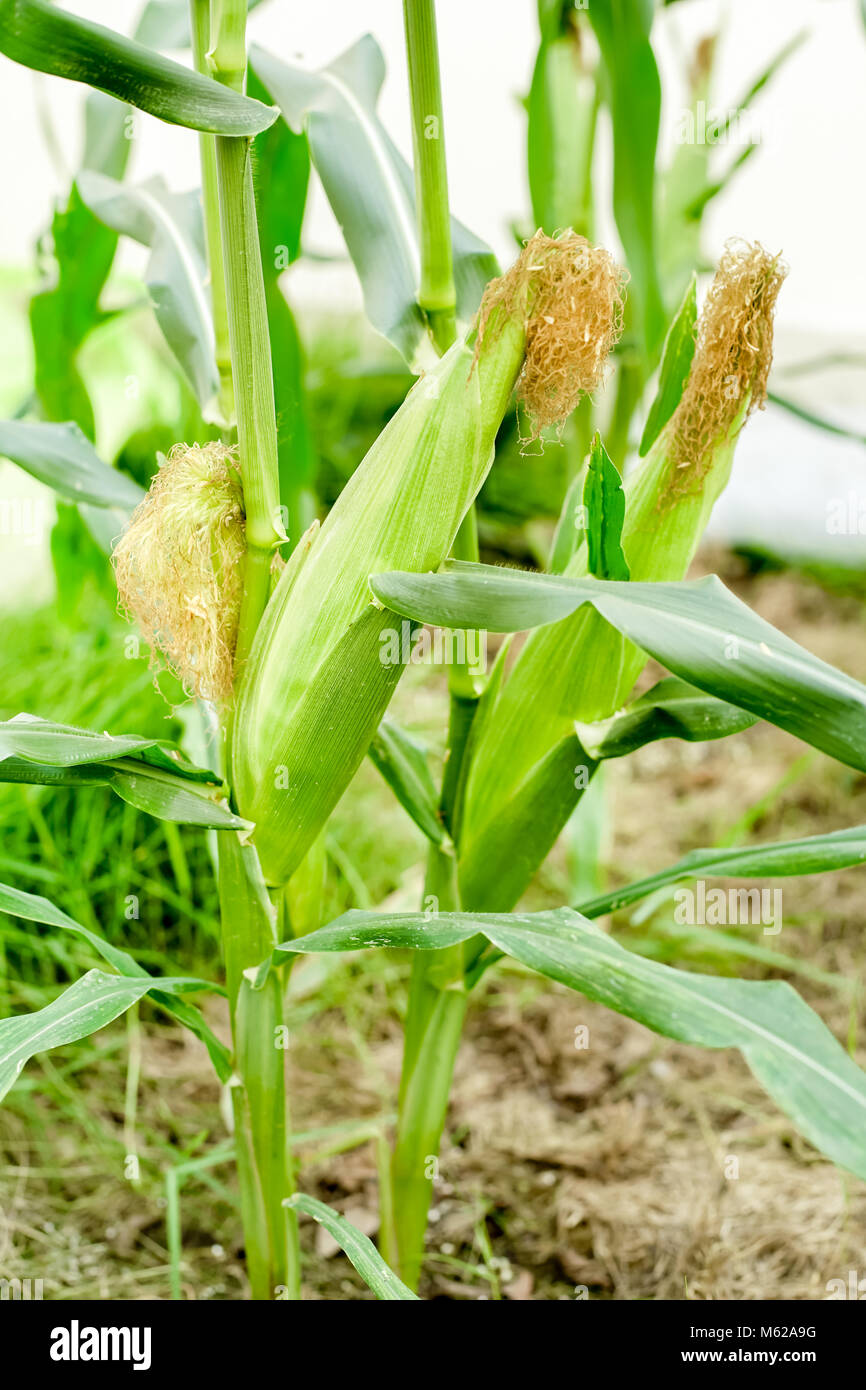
[
  {"x": 791, "y": 1052},
  {"x": 153, "y": 776},
  {"x": 170, "y": 224},
  {"x": 34, "y": 908},
  {"x": 697, "y": 629},
  {"x": 497, "y": 865},
  {"x": 815, "y": 854},
  {"x": 371, "y": 190},
  {"x": 402, "y": 761},
  {"x": 38, "y": 35},
  {"x": 671, "y": 709},
  {"x": 62, "y": 457},
  {"x": 43, "y": 741},
  {"x": 88, "y": 1005},
  {"x": 358, "y": 1247}
]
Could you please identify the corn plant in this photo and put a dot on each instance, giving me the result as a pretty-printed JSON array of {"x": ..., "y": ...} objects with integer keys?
[{"x": 277, "y": 628}]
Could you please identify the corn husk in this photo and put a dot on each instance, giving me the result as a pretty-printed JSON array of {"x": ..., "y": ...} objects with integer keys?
[
  {"x": 318, "y": 681},
  {"x": 581, "y": 668}
]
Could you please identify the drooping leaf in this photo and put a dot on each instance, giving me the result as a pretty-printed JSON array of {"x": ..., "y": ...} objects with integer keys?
[
  {"x": 149, "y": 774},
  {"x": 679, "y": 349},
  {"x": 791, "y": 1052},
  {"x": 815, "y": 854},
  {"x": 85, "y": 1007},
  {"x": 41, "y": 36},
  {"x": 61, "y": 456},
  {"x": 359, "y": 1248},
  {"x": 604, "y": 514},
  {"x": 402, "y": 761},
  {"x": 672, "y": 709},
  {"x": 696, "y": 628},
  {"x": 371, "y": 190},
  {"x": 34, "y": 908},
  {"x": 170, "y": 224}
]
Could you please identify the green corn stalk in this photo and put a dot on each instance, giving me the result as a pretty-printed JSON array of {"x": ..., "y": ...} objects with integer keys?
[{"x": 259, "y": 1096}]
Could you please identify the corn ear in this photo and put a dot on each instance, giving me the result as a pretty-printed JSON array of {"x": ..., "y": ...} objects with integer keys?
[
  {"x": 581, "y": 668},
  {"x": 318, "y": 679}
]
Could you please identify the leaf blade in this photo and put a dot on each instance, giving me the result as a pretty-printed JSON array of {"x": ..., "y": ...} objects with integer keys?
[
  {"x": 61, "y": 456},
  {"x": 47, "y": 39},
  {"x": 696, "y": 628},
  {"x": 358, "y": 1248},
  {"x": 790, "y": 1050}
]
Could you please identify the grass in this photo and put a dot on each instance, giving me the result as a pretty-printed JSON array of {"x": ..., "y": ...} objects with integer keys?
[{"x": 549, "y": 1183}]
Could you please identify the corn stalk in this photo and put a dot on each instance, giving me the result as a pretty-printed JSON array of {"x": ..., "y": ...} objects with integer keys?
[{"x": 259, "y": 1096}]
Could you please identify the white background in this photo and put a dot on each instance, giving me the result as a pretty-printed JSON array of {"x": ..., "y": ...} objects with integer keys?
[{"x": 803, "y": 193}]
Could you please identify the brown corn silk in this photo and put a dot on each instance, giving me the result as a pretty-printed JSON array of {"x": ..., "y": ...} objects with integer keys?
[
  {"x": 179, "y": 567},
  {"x": 733, "y": 353},
  {"x": 571, "y": 295}
]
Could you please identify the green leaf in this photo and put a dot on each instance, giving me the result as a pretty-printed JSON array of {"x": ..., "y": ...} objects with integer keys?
[
  {"x": 358, "y": 1247},
  {"x": 66, "y": 308},
  {"x": 672, "y": 709},
  {"x": 809, "y": 417},
  {"x": 497, "y": 865},
  {"x": 766, "y": 75},
  {"x": 682, "y": 942},
  {"x": 699, "y": 630},
  {"x": 281, "y": 171},
  {"x": 165, "y": 23},
  {"x": 569, "y": 527},
  {"x": 170, "y": 224},
  {"x": 604, "y": 501},
  {"x": 88, "y": 1005},
  {"x": 62, "y": 457},
  {"x": 679, "y": 349},
  {"x": 43, "y": 741},
  {"x": 402, "y": 761},
  {"x": 34, "y": 908},
  {"x": 622, "y": 28},
  {"x": 791, "y": 1052},
  {"x": 815, "y": 854},
  {"x": 149, "y": 774},
  {"x": 38, "y": 35},
  {"x": 561, "y": 108},
  {"x": 371, "y": 191}
]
